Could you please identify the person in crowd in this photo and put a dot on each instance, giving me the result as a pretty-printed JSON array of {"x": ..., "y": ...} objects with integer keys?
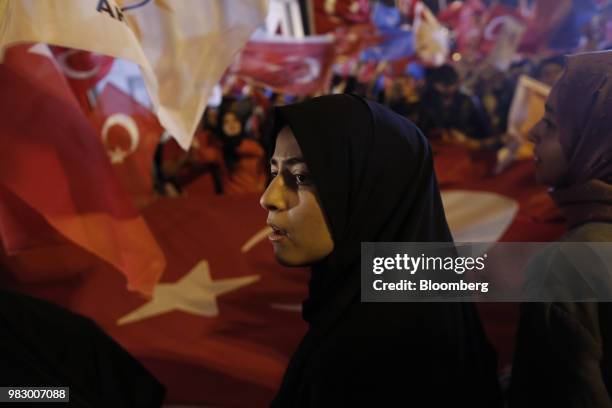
[
  {"x": 405, "y": 98},
  {"x": 522, "y": 67},
  {"x": 563, "y": 355},
  {"x": 345, "y": 171},
  {"x": 444, "y": 108},
  {"x": 550, "y": 69},
  {"x": 337, "y": 83},
  {"x": 495, "y": 91},
  {"x": 278, "y": 99},
  {"x": 174, "y": 168},
  {"x": 243, "y": 169},
  {"x": 210, "y": 120}
]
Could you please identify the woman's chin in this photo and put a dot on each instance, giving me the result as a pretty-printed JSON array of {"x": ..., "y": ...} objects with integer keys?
[{"x": 289, "y": 260}]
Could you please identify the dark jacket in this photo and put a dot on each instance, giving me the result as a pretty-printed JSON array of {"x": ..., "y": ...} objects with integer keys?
[{"x": 563, "y": 353}]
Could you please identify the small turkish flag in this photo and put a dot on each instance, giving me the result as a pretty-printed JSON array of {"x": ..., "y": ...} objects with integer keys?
[{"x": 130, "y": 133}]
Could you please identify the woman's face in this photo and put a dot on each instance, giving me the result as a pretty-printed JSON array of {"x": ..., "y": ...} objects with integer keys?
[
  {"x": 301, "y": 234},
  {"x": 550, "y": 162},
  {"x": 231, "y": 124}
]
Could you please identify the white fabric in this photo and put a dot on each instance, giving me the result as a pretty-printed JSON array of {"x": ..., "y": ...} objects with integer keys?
[
  {"x": 477, "y": 216},
  {"x": 182, "y": 46},
  {"x": 431, "y": 40},
  {"x": 526, "y": 110}
]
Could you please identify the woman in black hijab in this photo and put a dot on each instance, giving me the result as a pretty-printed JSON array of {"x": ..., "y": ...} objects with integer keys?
[
  {"x": 347, "y": 171},
  {"x": 231, "y": 132}
]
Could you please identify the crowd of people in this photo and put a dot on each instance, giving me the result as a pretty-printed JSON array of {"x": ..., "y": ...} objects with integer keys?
[{"x": 447, "y": 102}]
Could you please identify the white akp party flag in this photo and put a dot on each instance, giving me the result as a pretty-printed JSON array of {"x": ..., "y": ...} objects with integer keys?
[{"x": 182, "y": 46}]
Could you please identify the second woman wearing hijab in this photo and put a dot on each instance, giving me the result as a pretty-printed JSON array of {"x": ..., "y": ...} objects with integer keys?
[
  {"x": 346, "y": 171},
  {"x": 242, "y": 157},
  {"x": 563, "y": 355}
]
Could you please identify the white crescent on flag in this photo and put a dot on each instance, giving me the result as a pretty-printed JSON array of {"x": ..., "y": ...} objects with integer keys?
[
  {"x": 62, "y": 60},
  {"x": 117, "y": 154}
]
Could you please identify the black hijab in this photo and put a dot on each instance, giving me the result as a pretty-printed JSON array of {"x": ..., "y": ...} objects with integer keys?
[
  {"x": 374, "y": 174},
  {"x": 230, "y": 143}
]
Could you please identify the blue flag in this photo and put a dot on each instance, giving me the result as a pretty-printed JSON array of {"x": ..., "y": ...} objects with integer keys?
[
  {"x": 567, "y": 36},
  {"x": 398, "y": 44},
  {"x": 386, "y": 16}
]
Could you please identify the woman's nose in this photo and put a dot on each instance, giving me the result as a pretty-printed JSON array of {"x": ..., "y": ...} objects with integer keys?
[
  {"x": 532, "y": 136},
  {"x": 273, "y": 198}
]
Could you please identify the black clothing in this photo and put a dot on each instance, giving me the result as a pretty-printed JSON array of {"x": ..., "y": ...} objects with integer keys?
[
  {"x": 462, "y": 114},
  {"x": 563, "y": 352},
  {"x": 44, "y": 345},
  {"x": 230, "y": 144},
  {"x": 374, "y": 175}
]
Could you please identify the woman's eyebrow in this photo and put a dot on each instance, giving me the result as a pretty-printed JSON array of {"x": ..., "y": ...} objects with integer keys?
[{"x": 291, "y": 161}]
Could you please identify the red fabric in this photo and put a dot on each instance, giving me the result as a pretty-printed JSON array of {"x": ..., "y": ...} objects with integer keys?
[
  {"x": 187, "y": 166},
  {"x": 294, "y": 66},
  {"x": 52, "y": 160},
  {"x": 464, "y": 18},
  {"x": 476, "y": 26},
  {"x": 548, "y": 15},
  {"x": 331, "y": 14},
  {"x": 235, "y": 359},
  {"x": 249, "y": 176},
  {"x": 458, "y": 167},
  {"x": 397, "y": 68},
  {"x": 83, "y": 70},
  {"x": 134, "y": 166},
  {"x": 351, "y": 40},
  {"x": 204, "y": 149},
  {"x": 367, "y": 72},
  {"x": 38, "y": 253},
  {"x": 493, "y": 22}
]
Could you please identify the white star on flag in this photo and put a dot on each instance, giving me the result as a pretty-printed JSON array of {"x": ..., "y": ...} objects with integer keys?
[{"x": 194, "y": 293}]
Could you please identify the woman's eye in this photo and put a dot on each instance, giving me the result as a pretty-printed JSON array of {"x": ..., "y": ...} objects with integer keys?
[
  {"x": 301, "y": 179},
  {"x": 548, "y": 123}
]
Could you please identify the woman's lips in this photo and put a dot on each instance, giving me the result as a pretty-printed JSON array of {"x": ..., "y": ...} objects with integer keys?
[{"x": 277, "y": 234}]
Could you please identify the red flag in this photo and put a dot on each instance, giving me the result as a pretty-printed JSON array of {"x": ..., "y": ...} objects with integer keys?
[
  {"x": 464, "y": 20},
  {"x": 331, "y": 14},
  {"x": 549, "y": 14},
  {"x": 53, "y": 162},
  {"x": 351, "y": 40},
  {"x": 225, "y": 316},
  {"x": 130, "y": 133},
  {"x": 494, "y": 20},
  {"x": 288, "y": 65},
  {"x": 479, "y": 28},
  {"x": 83, "y": 70},
  {"x": 33, "y": 251}
]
